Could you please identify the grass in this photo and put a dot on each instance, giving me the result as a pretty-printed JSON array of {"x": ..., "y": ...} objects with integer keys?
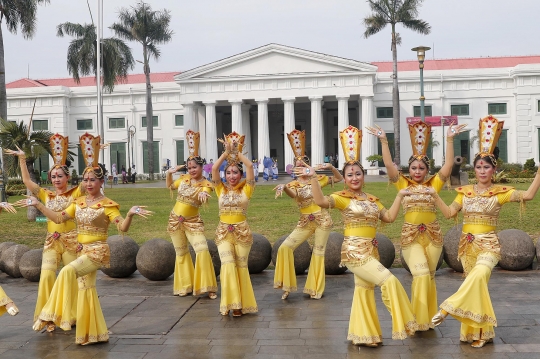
[{"x": 270, "y": 217}]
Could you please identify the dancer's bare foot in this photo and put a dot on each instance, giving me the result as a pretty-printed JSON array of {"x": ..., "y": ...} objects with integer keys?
[{"x": 12, "y": 309}]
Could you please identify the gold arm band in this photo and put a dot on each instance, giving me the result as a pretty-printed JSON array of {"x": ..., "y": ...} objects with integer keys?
[
  {"x": 449, "y": 139},
  {"x": 384, "y": 140}
]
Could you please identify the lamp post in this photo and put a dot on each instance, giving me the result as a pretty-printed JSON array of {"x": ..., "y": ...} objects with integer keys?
[
  {"x": 421, "y": 54},
  {"x": 131, "y": 133}
]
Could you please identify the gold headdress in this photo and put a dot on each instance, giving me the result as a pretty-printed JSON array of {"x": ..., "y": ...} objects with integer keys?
[
  {"x": 193, "y": 139},
  {"x": 351, "y": 142},
  {"x": 297, "y": 139},
  {"x": 90, "y": 149},
  {"x": 420, "y": 133},
  {"x": 59, "y": 149},
  {"x": 490, "y": 129},
  {"x": 235, "y": 138}
]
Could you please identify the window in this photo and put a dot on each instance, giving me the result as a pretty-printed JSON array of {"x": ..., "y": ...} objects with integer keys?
[
  {"x": 118, "y": 155},
  {"x": 459, "y": 110},
  {"x": 156, "y": 157},
  {"x": 154, "y": 121},
  {"x": 117, "y": 122},
  {"x": 80, "y": 160},
  {"x": 385, "y": 112},
  {"x": 83, "y": 125},
  {"x": 40, "y": 125},
  {"x": 179, "y": 120},
  {"x": 503, "y": 146},
  {"x": 427, "y": 111},
  {"x": 461, "y": 145},
  {"x": 180, "y": 152},
  {"x": 42, "y": 165},
  {"x": 497, "y": 108},
  {"x": 538, "y": 106}
]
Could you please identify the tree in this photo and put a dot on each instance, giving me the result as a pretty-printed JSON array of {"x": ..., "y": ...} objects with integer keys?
[
  {"x": 392, "y": 12},
  {"x": 150, "y": 28},
  {"x": 82, "y": 54}
]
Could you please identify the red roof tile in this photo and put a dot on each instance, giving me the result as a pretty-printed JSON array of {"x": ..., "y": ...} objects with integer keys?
[
  {"x": 459, "y": 64},
  {"x": 90, "y": 81}
]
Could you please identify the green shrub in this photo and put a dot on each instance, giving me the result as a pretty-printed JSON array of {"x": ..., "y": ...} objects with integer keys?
[{"x": 530, "y": 165}]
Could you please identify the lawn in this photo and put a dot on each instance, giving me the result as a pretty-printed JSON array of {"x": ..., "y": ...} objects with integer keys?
[{"x": 266, "y": 215}]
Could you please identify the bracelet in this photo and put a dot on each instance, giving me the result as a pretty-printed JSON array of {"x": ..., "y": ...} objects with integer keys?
[
  {"x": 449, "y": 139},
  {"x": 384, "y": 140}
]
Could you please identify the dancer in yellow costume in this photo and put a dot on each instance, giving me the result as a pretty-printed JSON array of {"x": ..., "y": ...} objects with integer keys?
[
  {"x": 479, "y": 248},
  {"x": 61, "y": 241},
  {"x": 313, "y": 220},
  {"x": 361, "y": 213},
  {"x": 421, "y": 236},
  {"x": 93, "y": 214},
  {"x": 233, "y": 235},
  {"x": 185, "y": 224},
  {"x": 6, "y": 304}
]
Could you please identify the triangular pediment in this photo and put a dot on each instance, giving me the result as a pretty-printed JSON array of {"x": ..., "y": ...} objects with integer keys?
[{"x": 274, "y": 60}]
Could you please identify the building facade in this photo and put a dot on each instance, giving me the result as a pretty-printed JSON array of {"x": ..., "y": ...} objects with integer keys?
[{"x": 269, "y": 91}]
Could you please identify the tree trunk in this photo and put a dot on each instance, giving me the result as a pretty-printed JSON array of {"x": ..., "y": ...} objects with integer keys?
[
  {"x": 149, "y": 117},
  {"x": 31, "y": 212},
  {"x": 3, "y": 111},
  {"x": 395, "y": 101}
]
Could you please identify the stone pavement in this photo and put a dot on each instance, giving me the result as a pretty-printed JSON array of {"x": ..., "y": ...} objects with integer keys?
[{"x": 146, "y": 321}]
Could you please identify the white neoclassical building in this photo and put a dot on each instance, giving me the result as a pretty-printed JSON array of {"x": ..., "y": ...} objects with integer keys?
[{"x": 268, "y": 91}]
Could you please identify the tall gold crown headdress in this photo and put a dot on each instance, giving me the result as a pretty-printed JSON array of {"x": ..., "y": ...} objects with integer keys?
[
  {"x": 59, "y": 149},
  {"x": 235, "y": 139},
  {"x": 351, "y": 142},
  {"x": 420, "y": 133},
  {"x": 297, "y": 139},
  {"x": 193, "y": 139},
  {"x": 490, "y": 129},
  {"x": 90, "y": 149}
]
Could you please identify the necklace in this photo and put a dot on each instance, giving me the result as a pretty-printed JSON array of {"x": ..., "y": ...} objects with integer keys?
[
  {"x": 481, "y": 191},
  {"x": 88, "y": 199},
  {"x": 357, "y": 196},
  {"x": 195, "y": 181}
]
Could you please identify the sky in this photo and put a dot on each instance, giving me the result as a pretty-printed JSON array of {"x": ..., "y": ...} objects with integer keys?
[{"x": 210, "y": 30}]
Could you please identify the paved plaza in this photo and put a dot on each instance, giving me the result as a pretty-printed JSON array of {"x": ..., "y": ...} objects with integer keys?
[{"x": 146, "y": 321}]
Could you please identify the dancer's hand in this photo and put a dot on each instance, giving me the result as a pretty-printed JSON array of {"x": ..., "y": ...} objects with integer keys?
[
  {"x": 175, "y": 169},
  {"x": 29, "y": 201},
  {"x": 323, "y": 166},
  {"x": 8, "y": 207},
  {"x": 376, "y": 131},
  {"x": 17, "y": 153},
  {"x": 139, "y": 211},
  {"x": 304, "y": 171},
  {"x": 279, "y": 191},
  {"x": 454, "y": 130},
  {"x": 203, "y": 197}
]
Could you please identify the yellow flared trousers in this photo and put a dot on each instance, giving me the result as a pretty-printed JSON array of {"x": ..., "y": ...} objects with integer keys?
[
  {"x": 91, "y": 326},
  {"x": 49, "y": 265},
  {"x": 187, "y": 278},
  {"x": 422, "y": 257},
  {"x": 4, "y": 300},
  {"x": 471, "y": 304},
  {"x": 285, "y": 276},
  {"x": 364, "y": 326},
  {"x": 236, "y": 289}
]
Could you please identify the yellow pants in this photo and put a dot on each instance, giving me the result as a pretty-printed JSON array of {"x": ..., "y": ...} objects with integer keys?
[
  {"x": 49, "y": 265},
  {"x": 471, "y": 304},
  {"x": 422, "y": 257},
  {"x": 285, "y": 276},
  {"x": 188, "y": 279},
  {"x": 4, "y": 300},
  {"x": 364, "y": 326},
  {"x": 236, "y": 288},
  {"x": 91, "y": 326}
]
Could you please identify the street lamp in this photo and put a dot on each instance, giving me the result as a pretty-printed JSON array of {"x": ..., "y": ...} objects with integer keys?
[
  {"x": 421, "y": 53},
  {"x": 131, "y": 133}
]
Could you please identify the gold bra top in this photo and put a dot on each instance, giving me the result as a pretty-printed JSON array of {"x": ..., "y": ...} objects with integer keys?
[
  {"x": 188, "y": 192},
  {"x": 419, "y": 200},
  {"x": 481, "y": 208}
]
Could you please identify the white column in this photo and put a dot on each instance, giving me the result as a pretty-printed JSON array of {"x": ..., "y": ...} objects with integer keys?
[
  {"x": 236, "y": 116},
  {"x": 188, "y": 125},
  {"x": 343, "y": 121},
  {"x": 288, "y": 126},
  {"x": 195, "y": 118},
  {"x": 247, "y": 130},
  {"x": 201, "y": 118},
  {"x": 210, "y": 142},
  {"x": 317, "y": 130},
  {"x": 369, "y": 142},
  {"x": 263, "y": 135}
]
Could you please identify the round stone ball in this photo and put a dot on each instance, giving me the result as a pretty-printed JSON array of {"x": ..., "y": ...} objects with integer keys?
[
  {"x": 214, "y": 254},
  {"x": 260, "y": 254},
  {"x": 302, "y": 255},
  {"x": 156, "y": 259},
  {"x": 30, "y": 264},
  {"x": 387, "y": 251},
  {"x": 451, "y": 247},
  {"x": 406, "y": 266},
  {"x": 123, "y": 256},
  {"x": 332, "y": 255},
  {"x": 12, "y": 257},
  {"x": 517, "y": 249},
  {"x": 4, "y": 246}
]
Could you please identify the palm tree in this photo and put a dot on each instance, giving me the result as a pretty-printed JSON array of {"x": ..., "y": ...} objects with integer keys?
[
  {"x": 392, "y": 12},
  {"x": 149, "y": 28},
  {"x": 82, "y": 53}
]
